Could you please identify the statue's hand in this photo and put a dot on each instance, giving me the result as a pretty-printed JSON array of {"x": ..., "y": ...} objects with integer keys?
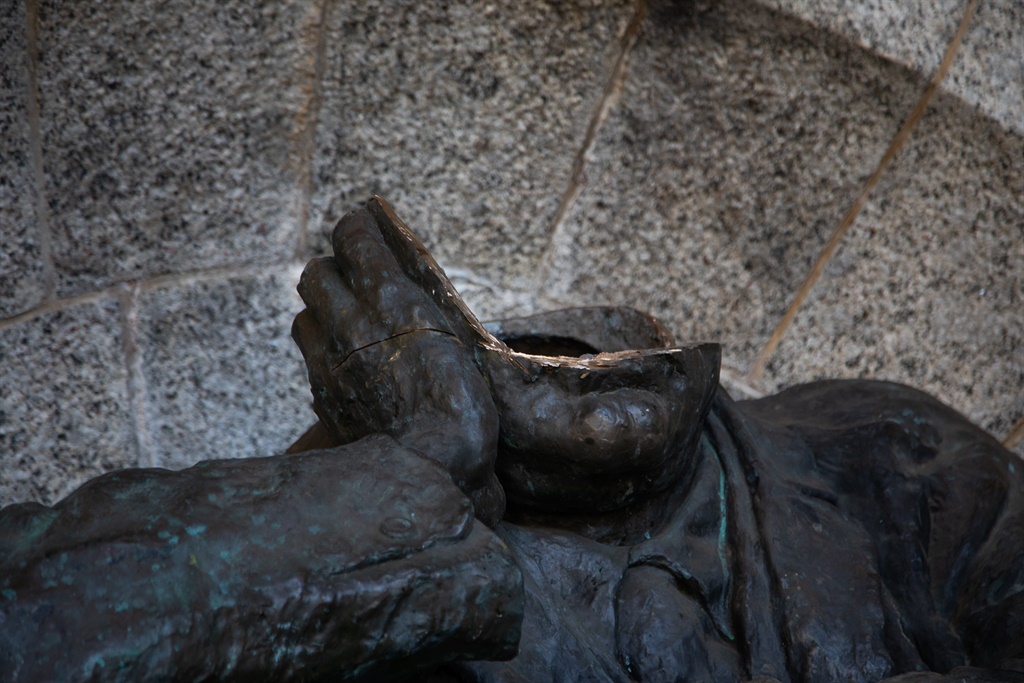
[{"x": 383, "y": 358}]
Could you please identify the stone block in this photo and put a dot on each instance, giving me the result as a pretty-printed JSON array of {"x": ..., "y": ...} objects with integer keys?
[
  {"x": 932, "y": 288},
  {"x": 223, "y": 378},
  {"x": 22, "y": 267},
  {"x": 466, "y": 116},
  {"x": 174, "y": 134},
  {"x": 740, "y": 137},
  {"x": 65, "y": 413},
  {"x": 988, "y": 71}
]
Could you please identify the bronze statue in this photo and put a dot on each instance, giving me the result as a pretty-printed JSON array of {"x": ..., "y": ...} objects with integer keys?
[{"x": 566, "y": 497}]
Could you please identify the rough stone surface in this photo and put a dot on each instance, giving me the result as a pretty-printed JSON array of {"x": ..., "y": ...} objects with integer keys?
[
  {"x": 22, "y": 271},
  {"x": 988, "y": 71},
  {"x": 466, "y": 116},
  {"x": 707, "y": 198},
  {"x": 223, "y": 377},
  {"x": 172, "y": 135},
  {"x": 937, "y": 306},
  {"x": 64, "y": 402},
  {"x": 492, "y": 302}
]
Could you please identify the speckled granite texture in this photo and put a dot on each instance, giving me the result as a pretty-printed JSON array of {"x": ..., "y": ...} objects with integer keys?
[
  {"x": 65, "y": 408},
  {"x": 185, "y": 159},
  {"x": 467, "y": 116},
  {"x": 989, "y": 70},
  {"x": 953, "y": 285},
  {"x": 23, "y": 276},
  {"x": 220, "y": 349},
  {"x": 173, "y": 134}
]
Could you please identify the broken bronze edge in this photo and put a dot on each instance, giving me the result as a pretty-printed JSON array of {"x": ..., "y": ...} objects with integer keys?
[{"x": 421, "y": 267}]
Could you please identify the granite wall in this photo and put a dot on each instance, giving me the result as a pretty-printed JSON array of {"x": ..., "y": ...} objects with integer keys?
[{"x": 167, "y": 167}]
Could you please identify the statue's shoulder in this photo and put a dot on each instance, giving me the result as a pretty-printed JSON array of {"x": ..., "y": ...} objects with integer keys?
[
  {"x": 860, "y": 434},
  {"x": 890, "y": 411},
  {"x": 941, "y": 500}
]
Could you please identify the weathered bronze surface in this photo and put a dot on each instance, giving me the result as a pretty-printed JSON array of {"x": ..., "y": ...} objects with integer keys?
[{"x": 530, "y": 500}]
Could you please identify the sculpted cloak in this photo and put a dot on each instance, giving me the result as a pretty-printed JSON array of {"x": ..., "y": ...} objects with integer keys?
[{"x": 839, "y": 531}]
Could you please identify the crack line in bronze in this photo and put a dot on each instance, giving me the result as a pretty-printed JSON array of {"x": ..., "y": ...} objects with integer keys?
[{"x": 394, "y": 336}]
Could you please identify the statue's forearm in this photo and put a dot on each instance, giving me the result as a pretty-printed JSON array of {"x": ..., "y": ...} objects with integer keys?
[{"x": 351, "y": 560}]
